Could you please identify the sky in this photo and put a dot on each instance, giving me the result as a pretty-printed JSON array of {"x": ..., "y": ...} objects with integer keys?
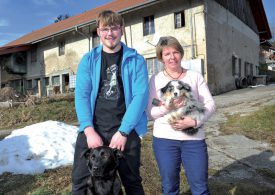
[
  {"x": 19, "y": 17},
  {"x": 37, "y": 147}
]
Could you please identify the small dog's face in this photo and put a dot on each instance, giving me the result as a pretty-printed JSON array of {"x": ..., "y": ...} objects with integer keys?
[
  {"x": 102, "y": 161},
  {"x": 175, "y": 89}
]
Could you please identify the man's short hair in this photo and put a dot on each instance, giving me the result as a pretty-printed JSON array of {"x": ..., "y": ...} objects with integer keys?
[
  {"x": 168, "y": 41},
  {"x": 109, "y": 18}
]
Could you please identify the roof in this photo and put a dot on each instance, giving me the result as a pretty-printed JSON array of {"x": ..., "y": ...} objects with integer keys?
[
  {"x": 15, "y": 48},
  {"x": 260, "y": 19},
  {"x": 120, "y": 6},
  {"x": 78, "y": 20}
]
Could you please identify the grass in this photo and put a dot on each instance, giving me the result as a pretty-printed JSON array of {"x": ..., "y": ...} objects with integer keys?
[
  {"x": 59, "y": 109},
  {"x": 259, "y": 126}
]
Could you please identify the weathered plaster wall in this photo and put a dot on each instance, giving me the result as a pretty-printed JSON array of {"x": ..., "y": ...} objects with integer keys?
[
  {"x": 226, "y": 36},
  {"x": 164, "y": 26}
]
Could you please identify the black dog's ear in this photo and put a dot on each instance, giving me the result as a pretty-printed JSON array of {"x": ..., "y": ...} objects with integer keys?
[
  {"x": 184, "y": 86},
  {"x": 86, "y": 153},
  {"x": 118, "y": 154}
]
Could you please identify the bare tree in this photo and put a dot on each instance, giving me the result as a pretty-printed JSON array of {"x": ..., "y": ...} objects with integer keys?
[{"x": 61, "y": 17}]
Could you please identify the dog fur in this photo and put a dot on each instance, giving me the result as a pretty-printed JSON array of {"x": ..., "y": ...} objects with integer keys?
[
  {"x": 103, "y": 163},
  {"x": 191, "y": 108}
]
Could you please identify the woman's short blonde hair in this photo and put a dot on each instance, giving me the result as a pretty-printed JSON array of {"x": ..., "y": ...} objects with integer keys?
[
  {"x": 168, "y": 41},
  {"x": 109, "y": 18}
]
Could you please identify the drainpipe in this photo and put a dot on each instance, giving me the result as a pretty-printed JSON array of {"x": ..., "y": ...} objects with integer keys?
[
  {"x": 124, "y": 32},
  {"x": 192, "y": 36},
  {"x": 83, "y": 34}
]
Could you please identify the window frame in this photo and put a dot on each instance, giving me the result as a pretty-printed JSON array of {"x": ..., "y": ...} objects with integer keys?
[
  {"x": 33, "y": 55},
  {"x": 149, "y": 25},
  {"x": 182, "y": 19},
  {"x": 61, "y": 48},
  {"x": 154, "y": 65}
]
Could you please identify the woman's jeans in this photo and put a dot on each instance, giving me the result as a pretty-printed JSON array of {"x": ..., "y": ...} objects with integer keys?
[{"x": 192, "y": 154}]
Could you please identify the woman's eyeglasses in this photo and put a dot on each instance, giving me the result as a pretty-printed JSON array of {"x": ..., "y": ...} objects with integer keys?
[{"x": 113, "y": 29}]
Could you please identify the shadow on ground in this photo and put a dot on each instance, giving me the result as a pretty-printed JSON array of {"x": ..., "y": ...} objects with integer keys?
[{"x": 253, "y": 175}]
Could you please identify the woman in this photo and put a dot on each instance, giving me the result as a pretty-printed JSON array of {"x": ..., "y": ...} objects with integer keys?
[{"x": 171, "y": 145}]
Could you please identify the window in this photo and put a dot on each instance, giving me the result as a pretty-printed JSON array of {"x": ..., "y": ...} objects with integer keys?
[
  {"x": 29, "y": 84},
  {"x": 96, "y": 40},
  {"x": 56, "y": 81},
  {"x": 240, "y": 67},
  {"x": 234, "y": 64},
  {"x": 246, "y": 66},
  {"x": 36, "y": 82},
  {"x": 61, "y": 48},
  {"x": 179, "y": 19},
  {"x": 251, "y": 69},
  {"x": 46, "y": 81},
  {"x": 72, "y": 81},
  {"x": 153, "y": 66},
  {"x": 33, "y": 55},
  {"x": 148, "y": 25}
]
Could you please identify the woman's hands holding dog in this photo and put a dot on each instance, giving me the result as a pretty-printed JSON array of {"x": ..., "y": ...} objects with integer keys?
[
  {"x": 184, "y": 123},
  {"x": 177, "y": 103},
  {"x": 118, "y": 141},
  {"x": 93, "y": 139}
]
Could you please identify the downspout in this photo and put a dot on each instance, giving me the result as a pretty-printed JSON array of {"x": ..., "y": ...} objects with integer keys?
[
  {"x": 124, "y": 32},
  {"x": 83, "y": 34},
  {"x": 192, "y": 36},
  {"x": 131, "y": 38},
  {"x": 195, "y": 50}
]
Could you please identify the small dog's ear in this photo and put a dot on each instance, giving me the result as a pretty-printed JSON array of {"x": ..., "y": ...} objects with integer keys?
[
  {"x": 118, "y": 153},
  {"x": 86, "y": 153},
  {"x": 164, "y": 89},
  {"x": 185, "y": 86}
]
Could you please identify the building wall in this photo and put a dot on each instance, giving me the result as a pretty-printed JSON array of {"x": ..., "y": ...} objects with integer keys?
[
  {"x": 192, "y": 41},
  {"x": 49, "y": 63},
  {"x": 226, "y": 36}
]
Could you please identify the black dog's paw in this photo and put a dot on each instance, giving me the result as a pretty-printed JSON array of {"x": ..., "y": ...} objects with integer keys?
[{"x": 190, "y": 131}]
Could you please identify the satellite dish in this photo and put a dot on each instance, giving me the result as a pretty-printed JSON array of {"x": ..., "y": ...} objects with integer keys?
[{"x": 156, "y": 38}]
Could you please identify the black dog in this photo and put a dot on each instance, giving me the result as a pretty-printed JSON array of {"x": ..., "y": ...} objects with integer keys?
[{"x": 103, "y": 163}]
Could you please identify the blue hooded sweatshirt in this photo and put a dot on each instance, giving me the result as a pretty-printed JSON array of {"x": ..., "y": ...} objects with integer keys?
[{"x": 135, "y": 84}]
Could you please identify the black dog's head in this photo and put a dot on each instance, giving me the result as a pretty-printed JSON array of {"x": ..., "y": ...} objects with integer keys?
[{"x": 102, "y": 161}]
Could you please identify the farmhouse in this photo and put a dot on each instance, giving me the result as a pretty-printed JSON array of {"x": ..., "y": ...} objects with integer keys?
[{"x": 221, "y": 39}]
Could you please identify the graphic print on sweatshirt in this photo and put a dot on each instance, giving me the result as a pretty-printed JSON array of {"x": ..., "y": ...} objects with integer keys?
[{"x": 110, "y": 88}]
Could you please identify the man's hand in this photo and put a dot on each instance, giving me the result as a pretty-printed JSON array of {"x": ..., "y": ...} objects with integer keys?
[
  {"x": 93, "y": 139},
  {"x": 118, "y": 141}
]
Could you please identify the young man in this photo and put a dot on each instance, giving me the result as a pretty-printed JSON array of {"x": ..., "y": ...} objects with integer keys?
[{"x": 111, "y": 97}]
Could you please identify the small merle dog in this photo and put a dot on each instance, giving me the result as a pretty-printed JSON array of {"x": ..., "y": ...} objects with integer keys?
[
  {"x": 192, "y": 108},
  {"x": 103, "y": 163}
]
